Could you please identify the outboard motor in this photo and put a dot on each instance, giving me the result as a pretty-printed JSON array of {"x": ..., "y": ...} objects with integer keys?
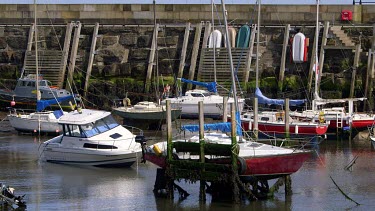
[{"x": 141, "y": 140}]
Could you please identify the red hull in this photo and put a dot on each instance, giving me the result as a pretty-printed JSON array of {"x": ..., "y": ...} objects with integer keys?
[
  {"x": 311, "y": 130},
  {"x": 357, "y": 124},
  {"x": 269, "y": 167}
]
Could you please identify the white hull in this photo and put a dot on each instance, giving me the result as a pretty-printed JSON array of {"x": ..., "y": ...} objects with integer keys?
[
  {"x": 212, "y": 105},
  {"x": 31, "y": 123},
  {"x": 56, "y": 153}
]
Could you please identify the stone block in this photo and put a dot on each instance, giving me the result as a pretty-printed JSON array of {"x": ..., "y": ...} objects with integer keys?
[
  {"x": 110, "y": 40},
  {"x": 17, "y": 42},
  {"x": 181, "y": 8},
  {"x": 128, "y": 39},
  {"x": 74, "y": 7},
  {"x": 144, "y": 41},
  {"x": 139, "y": 54},
  {"x": 136, "y": 7},
  {"x": 67, "y": 7},
  {"x": 70, "y": 15},
  {"x": 89, "y": 8},
  {"x": 143, "y": 15}
]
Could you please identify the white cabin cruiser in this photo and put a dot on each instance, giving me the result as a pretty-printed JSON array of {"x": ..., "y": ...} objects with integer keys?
[
  {"x": 91, "y": 137},
  {"x": 213, "y": 104}
]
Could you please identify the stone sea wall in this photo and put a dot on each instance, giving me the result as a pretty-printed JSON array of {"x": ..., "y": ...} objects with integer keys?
[{"x": 125, "y": 36}]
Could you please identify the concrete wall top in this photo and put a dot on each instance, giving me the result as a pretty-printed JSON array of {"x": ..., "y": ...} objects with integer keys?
[{"x": 177, "y": 13}]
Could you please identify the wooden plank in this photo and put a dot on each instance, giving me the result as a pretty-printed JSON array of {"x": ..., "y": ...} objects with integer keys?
[
  {"x": 312, "y": 62},
  {"x": 91, "y": 57},
  {"x": 333, "y": 47},
  {"x": 322, "y": 51},
  {"x": 355, "y": 67},
  {"x": 65, "y": 54},
  {"x": 283, "y": 56},
  {"x": 183, "y": 51},
  {"x": 73, "y": 55},
  {"x": 249, "y": 55},
  {"x": 207, "y": 32},
  {"x": 151, "y": 60},
  {"x": 194, "y": 56}
]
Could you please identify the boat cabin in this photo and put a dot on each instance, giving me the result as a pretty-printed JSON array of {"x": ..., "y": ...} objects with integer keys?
[{"x": 27, "y": 86}]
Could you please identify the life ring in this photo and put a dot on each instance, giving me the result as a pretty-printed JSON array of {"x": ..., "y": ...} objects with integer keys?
[
  {"x": 126, "y": 102},
  {"x": 321, "y": 117}
]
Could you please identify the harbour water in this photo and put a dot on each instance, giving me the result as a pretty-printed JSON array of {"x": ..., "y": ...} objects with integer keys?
[{"x": 62, "y": 187}]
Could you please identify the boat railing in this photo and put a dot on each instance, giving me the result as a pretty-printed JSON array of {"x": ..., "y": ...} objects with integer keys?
[
  {"x": 19, "y": 110},
  {"x": 134, "y": 130}
]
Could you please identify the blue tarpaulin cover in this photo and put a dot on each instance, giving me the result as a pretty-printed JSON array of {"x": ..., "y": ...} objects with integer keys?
[
  {"x": 42, "y": 104},
  {"x": 265, "y": 100},
  {"x": 211, "y": 86}
]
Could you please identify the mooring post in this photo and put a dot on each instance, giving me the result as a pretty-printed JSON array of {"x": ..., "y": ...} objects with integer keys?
[
  {"x": 169, "y": 149},
  {"x": 225, "y": 108},
  {"x": 287, "y": 132},
  {"x": 202, "y": 190},
  {"x": 234, "y": 155},
  {"x": 288, "y": 185},
  {"x": 312, "y": 62},
  {"x": 255, "y": 110}
]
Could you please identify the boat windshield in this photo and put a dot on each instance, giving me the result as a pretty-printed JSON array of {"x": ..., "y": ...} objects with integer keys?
[{"x": 98, "y": 127}]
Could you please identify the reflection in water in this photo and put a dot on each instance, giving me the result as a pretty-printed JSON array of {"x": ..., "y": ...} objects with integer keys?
[{"x": 62, "y": 187}]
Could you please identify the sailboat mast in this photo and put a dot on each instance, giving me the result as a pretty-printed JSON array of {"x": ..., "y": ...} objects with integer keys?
[
  {"x": 230, "y": 57},
  {"x": 257, "y": 51},
  {"x": 156, "y": 55},
  {"x": 214, "y": 43},
  {"x": 36, "y": 54},
  {"x": 316, "y": 65}
]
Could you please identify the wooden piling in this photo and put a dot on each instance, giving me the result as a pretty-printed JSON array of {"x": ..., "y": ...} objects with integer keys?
[
  {"x": 283, "y": 56},
  {"x": 368, "y": 77},
  {"x": 287, "y": 124},
  {"x": 255, "y": 110},
  {"x": 225, "y": 108},
  {"x": 355, "y": 67},
  {"x": 169, "y": 147},
  {"x": 234, "y": 155},
  {"x": 202, "y": 190}
]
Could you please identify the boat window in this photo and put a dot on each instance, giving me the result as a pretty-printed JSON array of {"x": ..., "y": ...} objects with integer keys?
[
  {"x": 111, "y": 122},
  {"x": 98, "y": 146},
  {"x": 207, "y": 94},
  {"x": 264, "y": 118},
  {"x": 197, "y": 95},
  {"x": 42, "y": 83},
  {"x": 31, "y": 84},
  {"x": 21, "y": 83},
  {"x": 100, "y": 126},
  {"x": 73, "y": 130}
]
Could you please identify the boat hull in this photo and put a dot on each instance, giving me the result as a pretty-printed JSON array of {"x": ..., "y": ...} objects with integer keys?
[
  {"x": 266, "y": 167},
  {"x": 34, "y": 125},
  {"x": 85, "y": 157},
  {"x": 294, "y": 129},
  {"x": 146, "y": 120}
]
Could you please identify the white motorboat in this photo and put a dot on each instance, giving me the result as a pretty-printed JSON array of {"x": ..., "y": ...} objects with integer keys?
[
  {"x": 213, "y": 103},
  {"x": 91, "y": 137}
]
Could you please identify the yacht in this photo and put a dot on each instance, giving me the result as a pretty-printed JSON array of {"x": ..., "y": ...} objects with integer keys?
[{"x": 92, "y": 137}]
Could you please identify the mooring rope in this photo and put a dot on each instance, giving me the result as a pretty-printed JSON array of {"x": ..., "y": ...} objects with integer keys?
[{"x": 341, "y": 191}]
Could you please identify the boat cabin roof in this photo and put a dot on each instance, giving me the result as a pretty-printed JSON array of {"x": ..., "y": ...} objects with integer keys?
[{"x": 87, "y": 116}]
